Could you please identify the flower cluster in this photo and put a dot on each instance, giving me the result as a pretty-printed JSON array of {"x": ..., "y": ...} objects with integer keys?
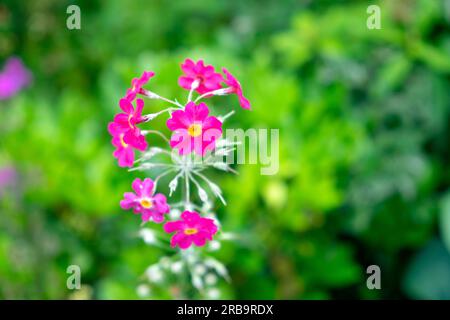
[
  {"x": 13, "y": 78},
  {"x": 126, "y": 135},
  {"x": 194, "y": 132}
]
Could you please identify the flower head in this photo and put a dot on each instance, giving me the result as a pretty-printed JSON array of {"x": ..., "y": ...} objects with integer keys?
[
  {"x": 235, "y": 87},
  {"x": 205, "y": 77},
  {"x": 13, "y": 78},
  {"x": 194, "y": 130},
  {"x": 136, "y": 85},
  {"x": 144, "y": 202},
  {"x": 190, "y": 229}
]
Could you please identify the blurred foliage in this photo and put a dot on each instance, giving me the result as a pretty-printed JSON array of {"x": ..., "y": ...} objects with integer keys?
[{"x": 364, "y": 132}]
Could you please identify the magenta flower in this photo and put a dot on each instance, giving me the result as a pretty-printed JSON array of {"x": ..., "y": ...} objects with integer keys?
[
  {"x": 191, "y": 229},
  {"x": 124, "y": 151},
  {"x": 13, "y": 78},
  {"x": 126, "y": 123},
  {"x": 126, "y": 135},
  {"x": 206, "y": 77},
  {"x": 136, "y": 85},
  {"x": 194, "y": 130},
  {"x": 144, "y": 202},
  {"x": 235, "y": 87}
]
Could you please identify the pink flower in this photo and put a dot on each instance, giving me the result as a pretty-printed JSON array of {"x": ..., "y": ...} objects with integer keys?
[
  {"x": 8, "y": 178},
  {"x": 235, "y": 87},
  {"x": 144, "y": 202},
  {"x": 136, "y": 85},
  {"x": 207, "y": 78},
  {"x": 194, "y": 130},
  {"x": 126, "y": 123},
  {"x": 13, "y": 78},
  {"x": 191, "y": 229},
  {"x": 126, "y": 135},
  {"x": 124, "y": 151}
]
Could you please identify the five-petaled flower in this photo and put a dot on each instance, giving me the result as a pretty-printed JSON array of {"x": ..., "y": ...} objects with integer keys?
[
  {"x": 235, "y": 87},
  {"x": 144, "y": 202},
  {"x": 192, "y": 228},
  {"x": 194, "y": 130},
  {"x": 204, "y": 78},
  {"x": 136, "y": 85}
]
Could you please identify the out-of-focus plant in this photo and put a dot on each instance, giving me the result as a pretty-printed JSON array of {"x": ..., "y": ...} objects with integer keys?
[{"x": 395, "y": 81}]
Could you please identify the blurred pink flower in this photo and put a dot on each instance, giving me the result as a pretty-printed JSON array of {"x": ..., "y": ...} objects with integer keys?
[
  {"x": 136, "y": 85},
  {"x": 144, "y": 202},
  {"x": 13, "y": 78},
  {"x": 8, "y": 177},
  {"x": 235, "y": 87},
  {"x": 193, "y": 129},
  {"x": 206, "y": 77},
  {"x": 190, "y": 229}
]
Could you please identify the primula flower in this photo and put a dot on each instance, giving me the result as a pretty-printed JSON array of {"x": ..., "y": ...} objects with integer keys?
[
  {"x": 235, "y": 87},
  {"x": 124, "y": 152},
  {"x": 144, "y": 202},
  {"x": 13, "y": 78},
  {"x": 136, "y": 85},
  {"x": 194, "y": 130},
  {"x": 206, "y": 77},
  {"x": 126, "y": 124},
  {"x": 190, "y": 229}
]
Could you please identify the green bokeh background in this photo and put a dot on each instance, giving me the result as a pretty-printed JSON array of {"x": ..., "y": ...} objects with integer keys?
[{"x": 364, "y": 129}]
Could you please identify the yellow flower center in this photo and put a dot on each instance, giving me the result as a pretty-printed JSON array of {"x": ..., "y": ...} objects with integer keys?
[
  {"x": 195, "y": 130},
  {"x": 123, "y": 142},
  {"x": 190, "y": 231},
  {"x": 146, "y": 203}
]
